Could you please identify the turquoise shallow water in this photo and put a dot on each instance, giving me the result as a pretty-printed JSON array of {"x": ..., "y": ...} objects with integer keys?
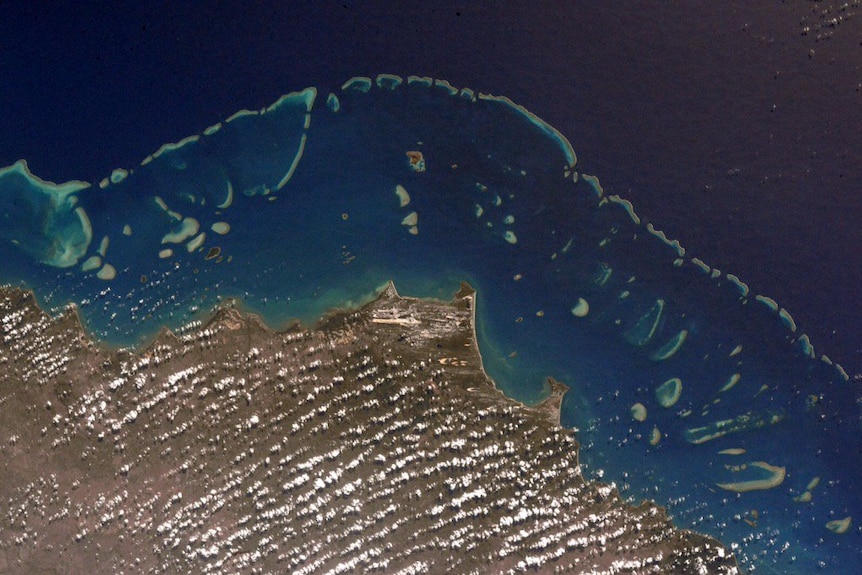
[{"x": 295, "y": 210}]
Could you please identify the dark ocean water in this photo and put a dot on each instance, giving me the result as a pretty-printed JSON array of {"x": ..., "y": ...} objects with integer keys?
[
  {"x": 317, "y": 200},
  {"x": 653, "y": 114}
]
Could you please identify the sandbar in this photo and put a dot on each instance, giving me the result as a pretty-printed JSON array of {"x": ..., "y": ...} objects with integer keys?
[
  {"x": 212, "y": 129},
  {"x": 550, "y": 131},
  {"x": 403, "y": 196},
  {"x": 744, "y": 422},
  {"x": 196, "y": 242},
  {"x": 671, "y": 347},
  {"x": 293, "y": 164},
  {"x": 774, "y": 479},
  {"x": 357, "y": 84},
  {"x": 228, "y": 198},
  {"x": 186, "y": 229},
  {"x": 642, "y": 332},
  {"x": 388, "y": 81},
  {"x": 91, "y": 263},
  {"x": 767, "y": 301},
  {"x": 446, "y": 87},
  {"x": 581, "y": 309},
  {"x": 306, "y": 97},
  {"x": 627, "y": 206},
  {"x": 740, "y": 285},
  {"x": 241, "y": 114},
  {"x": 119, "y": 175},
  {"x": 804, "y": 497},
  {"x": 668, "y": 393},
  {"x": 839, "y": 525},
  {"x": 184, "y": 142},
  {"x": 787, "y": 319},
  {"x": 701, "y": 264},
  {"x": 423, "y": 81},
  {"x": 731, "y": 381},
  {"x": 674, "y": 244},
  {"x": 108, "y": 272}
]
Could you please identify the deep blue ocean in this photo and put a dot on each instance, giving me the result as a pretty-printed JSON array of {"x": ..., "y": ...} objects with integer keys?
[{"x": 686, "y": 385}]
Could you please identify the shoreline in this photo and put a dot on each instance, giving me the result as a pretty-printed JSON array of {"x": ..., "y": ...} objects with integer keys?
[{"x": 230, "y": 315}]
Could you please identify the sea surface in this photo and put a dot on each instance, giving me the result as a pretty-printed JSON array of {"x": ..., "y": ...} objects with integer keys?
[{"x": 687, "y": 386}]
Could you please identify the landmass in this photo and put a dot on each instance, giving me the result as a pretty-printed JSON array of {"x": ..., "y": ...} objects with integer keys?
[{"x": 373, "y": 442}]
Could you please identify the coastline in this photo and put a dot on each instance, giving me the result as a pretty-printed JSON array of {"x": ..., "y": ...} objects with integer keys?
[{"x": 441, "y": 372}]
